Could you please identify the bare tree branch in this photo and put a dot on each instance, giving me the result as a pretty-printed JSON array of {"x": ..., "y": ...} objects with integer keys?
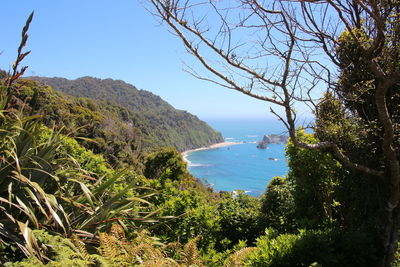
[{"x": 290, "y": 42}]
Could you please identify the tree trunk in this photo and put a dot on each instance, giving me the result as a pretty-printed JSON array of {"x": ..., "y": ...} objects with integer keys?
[{"x": 388, "y": 235}]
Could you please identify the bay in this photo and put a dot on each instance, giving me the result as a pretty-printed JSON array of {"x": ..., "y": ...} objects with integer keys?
[{"x": 242, "y": 166}]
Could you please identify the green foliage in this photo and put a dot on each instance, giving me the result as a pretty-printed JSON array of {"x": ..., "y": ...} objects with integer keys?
[
  {"x": 367, "y": 91},
  {"x": 145, "y": 250},
  {"x": 358, "y": 83},
  {"x": 27, "y": 165},
  {"x": 396, "y": 261},
  {"x": 60, "y": 252},
  {"x": 194, "y": 213},
  {"x": 92, "y": 163},
  {"x": 215, "y": 258},
  {"x": 120, "y": 252},
  {"x": 278, "y": 206},
  {"x": 223, "y": 220},
  {"x": 335, "y": 124},
  {"x": 331, "y": 247},
  {"x": 237, "y": 259},
  {"x": 96, "y": 127},
  {"x": 29, "y": 184},
  {"x": 33, "y": 193},
  {"x": 155, "y": 123},
  {"x": 193, "y": 208},
  {"x": 239, "y": 215},
  {"x": 51, "y": 182},
  {"x": 272, "y": 250},
  {"x": 44, "y": 186},
  {"x": 316, "y": 178},
  {"x": 167, "y": 163},
  {"x": 121, "y": 133},
  {"x": 326, "y": 193}
]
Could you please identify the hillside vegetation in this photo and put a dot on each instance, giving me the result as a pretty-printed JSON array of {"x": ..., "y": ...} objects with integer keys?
[{"x": 121, "y": 122}]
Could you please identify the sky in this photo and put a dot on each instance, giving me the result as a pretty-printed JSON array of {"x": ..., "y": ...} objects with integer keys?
[{"x": 115, "y": 39}]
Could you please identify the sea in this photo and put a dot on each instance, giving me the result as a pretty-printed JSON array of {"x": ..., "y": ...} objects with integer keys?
[{"x": 241, "y": 166}]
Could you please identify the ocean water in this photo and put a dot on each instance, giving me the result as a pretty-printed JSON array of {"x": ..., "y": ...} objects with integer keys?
[{"x": 241, "y": 166}]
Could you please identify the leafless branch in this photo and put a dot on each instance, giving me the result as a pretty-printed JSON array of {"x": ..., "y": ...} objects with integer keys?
[{"x": 293, "y": 46}]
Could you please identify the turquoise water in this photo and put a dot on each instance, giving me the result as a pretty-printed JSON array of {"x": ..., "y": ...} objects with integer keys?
[{"x": 242, "y": 166}]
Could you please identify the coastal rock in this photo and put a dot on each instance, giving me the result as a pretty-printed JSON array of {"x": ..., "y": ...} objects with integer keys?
[
  {"x": 267, "y": 139},
  {"x": 272, "y": 139},
  {"x": 262, "y": 145}
]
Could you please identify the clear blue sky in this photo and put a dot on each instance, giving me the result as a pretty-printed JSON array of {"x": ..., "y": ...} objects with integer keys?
[{"x": 115, "y": 39}]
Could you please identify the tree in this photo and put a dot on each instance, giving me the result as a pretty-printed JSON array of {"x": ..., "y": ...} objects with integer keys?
[
  {"x": 325, "y": 193},
  {"x": 239, "y": 213},
  {"x": 316, "y": 177},
  {"x": 167, "y": 163},
  {"x": 277, "y": 206},
  {"x": 287, "y": 52}
]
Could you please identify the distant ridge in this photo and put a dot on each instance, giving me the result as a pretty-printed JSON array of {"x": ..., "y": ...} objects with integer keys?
[{"x": 118, "y": 91}]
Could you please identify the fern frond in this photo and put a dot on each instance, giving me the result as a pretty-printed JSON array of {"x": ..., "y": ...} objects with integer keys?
[
  {"x": 236, "y": 259},
  {"x": 163, "y": 262},
  {"x": 147, "y": 252},
  {"x": 117, "y": 231},
  {"x": 80, "y": 246},
  {"x": 143, "y": 250},
  {"x": 143, "y": 246},
  {"x": 108, "y": 246},
  {"x": 191, "y": 255}
]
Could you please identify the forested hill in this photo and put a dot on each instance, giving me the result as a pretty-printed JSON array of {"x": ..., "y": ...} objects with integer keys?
[
  {"x": 116, "y": 91},
  {"x": 113, "y": 112}
]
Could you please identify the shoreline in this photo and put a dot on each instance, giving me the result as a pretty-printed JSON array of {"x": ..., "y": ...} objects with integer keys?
[{"x": 186, "y": 153}]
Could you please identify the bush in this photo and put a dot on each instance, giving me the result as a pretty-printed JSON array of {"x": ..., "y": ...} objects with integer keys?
[
  {"x": 239, "y": 218},
  {"x": 167, "y": 163},
  {"x": 61, "y": 252},
  {"x": 331, "y": 247},
  {"x": 278, "y": 206}
]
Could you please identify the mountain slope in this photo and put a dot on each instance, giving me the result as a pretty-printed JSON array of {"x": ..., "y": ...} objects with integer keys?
[{"x": 121, "y": 119}]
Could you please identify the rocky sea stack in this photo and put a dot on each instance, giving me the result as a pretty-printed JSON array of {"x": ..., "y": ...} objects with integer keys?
[{"x": 272, "y": 139}]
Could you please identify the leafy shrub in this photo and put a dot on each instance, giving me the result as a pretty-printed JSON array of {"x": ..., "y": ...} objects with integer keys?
[
  {"x": 166, "y": 163},
  {"x": 239, "y": 215},
  {"x": 193, "y": 213},
  {"x": 331, "y": 247},
  {"x": 60, "y": 252},
  {"x": 278, "y": 206}
]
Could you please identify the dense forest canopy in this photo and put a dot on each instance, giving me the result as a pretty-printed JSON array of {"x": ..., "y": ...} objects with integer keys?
[{"x": 176, "y": 127}]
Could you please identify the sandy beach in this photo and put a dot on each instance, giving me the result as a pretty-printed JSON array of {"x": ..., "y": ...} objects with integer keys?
[{"x": 214, "y": 146}]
